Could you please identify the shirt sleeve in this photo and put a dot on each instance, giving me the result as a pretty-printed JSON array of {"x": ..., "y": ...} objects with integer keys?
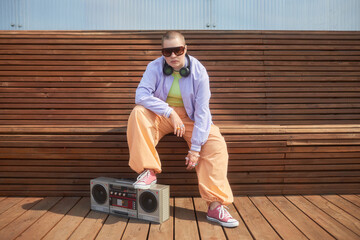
[
  {"x": 145, "y": 93},
  {"x": 202, "y": 115}
]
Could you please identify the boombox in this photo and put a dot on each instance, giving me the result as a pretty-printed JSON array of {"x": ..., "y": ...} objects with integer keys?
[{"x": 119, "y": 197}]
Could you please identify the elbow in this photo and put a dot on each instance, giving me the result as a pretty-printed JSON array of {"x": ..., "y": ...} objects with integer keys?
[{"x": 137, "y": 99}]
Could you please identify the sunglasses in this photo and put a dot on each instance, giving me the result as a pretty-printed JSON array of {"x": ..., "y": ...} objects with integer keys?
[{"x": 177, "y": 50}]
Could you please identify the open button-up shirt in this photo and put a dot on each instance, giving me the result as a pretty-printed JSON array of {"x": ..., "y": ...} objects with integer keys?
[{"x": 154, "y": 87}]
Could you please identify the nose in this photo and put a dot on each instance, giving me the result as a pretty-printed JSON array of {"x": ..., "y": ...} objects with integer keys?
[{"x": 173, "y": 54}]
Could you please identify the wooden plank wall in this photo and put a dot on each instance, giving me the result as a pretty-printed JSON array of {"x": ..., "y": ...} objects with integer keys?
[{"x": 287, "y": 102}]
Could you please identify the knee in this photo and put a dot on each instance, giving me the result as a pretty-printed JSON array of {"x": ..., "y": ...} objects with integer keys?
[{"x": 138, "y": 109}]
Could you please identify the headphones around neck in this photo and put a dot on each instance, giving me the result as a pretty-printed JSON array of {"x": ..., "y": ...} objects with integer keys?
[{"x": 184, "y": 71}]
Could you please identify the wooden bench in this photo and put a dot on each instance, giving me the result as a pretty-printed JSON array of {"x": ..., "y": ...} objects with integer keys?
[{"x": 287, "y": 103}]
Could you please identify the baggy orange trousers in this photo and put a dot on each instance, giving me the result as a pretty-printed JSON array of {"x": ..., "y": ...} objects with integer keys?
[{"x": 144, "y": 131}]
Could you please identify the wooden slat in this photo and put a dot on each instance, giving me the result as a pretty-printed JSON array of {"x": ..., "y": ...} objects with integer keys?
[
  {"x": 89, "y": 228},
  {"x": 164, "y": 230},
  {"x": 347, "y": 206},
  {"x": 352, "y": 198},
  {"x": 299, "y": 219},
  {"x": 207, "y": 230},
  {"x": 240, "y": 232},
  {"x": 337, "y": 213},
  {"x": 42, "y": 226},
  {"x": 8, "y": 202},
  {"x": 278, "y": 221},
  {"x": 70, "y": 222},
  {"x": 336, "y": 229},
  {"x": 113, "y": 228},
  {"x": 256, "y": 223},
  {"x": 136, "y": 229},
  {"x": 17, "y": 210},
  {"x": 185, "y": 220},
  {"x": 16, "y": 227}
]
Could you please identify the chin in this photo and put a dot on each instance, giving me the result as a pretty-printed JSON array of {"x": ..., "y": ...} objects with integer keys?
[{"x": 175, "y": 67}]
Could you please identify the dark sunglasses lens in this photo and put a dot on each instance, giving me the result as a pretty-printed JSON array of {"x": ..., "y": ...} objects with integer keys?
[
  {"x": 168, "y": 51},
  {"x": 179, "y": 51}
]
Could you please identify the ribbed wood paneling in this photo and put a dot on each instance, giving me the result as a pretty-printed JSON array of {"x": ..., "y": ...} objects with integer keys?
[{"x": 287, "y": 103}]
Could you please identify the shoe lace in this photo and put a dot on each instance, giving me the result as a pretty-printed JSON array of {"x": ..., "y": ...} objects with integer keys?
[
  {"x": 223, "y": 212},
  {"x": 144, "y": 175}
]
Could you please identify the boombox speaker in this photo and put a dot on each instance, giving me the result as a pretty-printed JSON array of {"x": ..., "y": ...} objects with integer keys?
[
  {"x": 153, "y": 203},
  {"x": 99, "y": 191}
]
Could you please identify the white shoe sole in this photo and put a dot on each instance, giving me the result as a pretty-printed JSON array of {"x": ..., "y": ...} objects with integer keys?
[
  {"x": 224, "y": 224},
  {"x": 143, "y": 186}
]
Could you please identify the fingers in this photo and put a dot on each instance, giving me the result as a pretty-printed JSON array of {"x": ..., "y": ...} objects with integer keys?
[
  {"x": 191, "y": 163},
  {"x": 187, "y": 161},
  {"x": 179, "y": 130}
]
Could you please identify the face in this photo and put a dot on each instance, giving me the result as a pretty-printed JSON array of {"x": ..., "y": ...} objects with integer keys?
[{"x": 176, "y": 62}]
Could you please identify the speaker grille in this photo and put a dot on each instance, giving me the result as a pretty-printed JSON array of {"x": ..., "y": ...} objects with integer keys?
[
  {"x": 166, "y": 209},
  {"x": 99, "y": 194},
  {"x": 148, "y": 202}
]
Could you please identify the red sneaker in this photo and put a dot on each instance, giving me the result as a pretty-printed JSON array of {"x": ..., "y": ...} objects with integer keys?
[
  {"x": 222, "y": 216},
  {"x": 145, "y": 180}
]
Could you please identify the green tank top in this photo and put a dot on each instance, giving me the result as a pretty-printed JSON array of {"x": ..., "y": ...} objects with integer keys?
[{"x": 174, "y": 97}]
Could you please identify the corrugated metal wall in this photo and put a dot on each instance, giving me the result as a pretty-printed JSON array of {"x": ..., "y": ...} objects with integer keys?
[
  {"x": 179, "y": 14},
  {"x": 287, "y": 14}
]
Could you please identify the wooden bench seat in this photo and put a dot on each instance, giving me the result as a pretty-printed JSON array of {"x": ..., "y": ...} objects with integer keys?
[
  {"x": 287, "y": 103},
  {"x": 60, "y": 160}
]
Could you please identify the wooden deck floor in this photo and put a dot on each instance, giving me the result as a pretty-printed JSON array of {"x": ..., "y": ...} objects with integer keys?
[{"x": 261, "y": 217}]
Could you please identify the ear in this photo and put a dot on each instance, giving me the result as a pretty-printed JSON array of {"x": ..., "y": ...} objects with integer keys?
[{"x": 185, "y": 49}]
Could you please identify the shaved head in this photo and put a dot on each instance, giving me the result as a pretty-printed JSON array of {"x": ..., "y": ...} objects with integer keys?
[{"x": 171, "y": 35}]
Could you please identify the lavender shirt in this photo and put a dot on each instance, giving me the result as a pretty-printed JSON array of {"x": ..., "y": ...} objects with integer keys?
[{"x": 154, "y": 87}]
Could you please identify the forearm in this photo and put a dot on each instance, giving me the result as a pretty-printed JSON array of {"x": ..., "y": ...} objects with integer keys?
[{"x": 154, "y": 104}]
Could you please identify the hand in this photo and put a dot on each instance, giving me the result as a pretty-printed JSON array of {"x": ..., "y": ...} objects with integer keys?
[
  {"x": 192, "y": 160},
  {"x": 179, "y": 127}
]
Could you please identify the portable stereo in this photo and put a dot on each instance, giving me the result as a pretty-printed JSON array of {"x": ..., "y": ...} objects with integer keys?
[{"x": 120, "y": 198}]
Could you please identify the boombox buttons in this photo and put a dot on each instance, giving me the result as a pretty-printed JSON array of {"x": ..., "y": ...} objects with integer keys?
[{"x": 123, "y": 199}]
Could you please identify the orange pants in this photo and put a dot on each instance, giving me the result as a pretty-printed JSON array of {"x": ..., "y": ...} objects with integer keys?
[{"x": 144, "y": 131}]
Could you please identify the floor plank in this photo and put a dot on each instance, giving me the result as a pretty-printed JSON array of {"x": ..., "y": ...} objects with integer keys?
[
  {"x": 299, "y": 219},
  {"x": 208, "y": 230},
  {"x": 17, "y": 210},
  {"x": 260, "y": 217},
  {"x": 164, "y": 230},
  {"x": 280, "y": 223},
  {"x": 337, "y": 213},
  {"x": 257, "y": 224},
  {"x": 240, "y": 232},
  {"x": 42, "y": 226},
  {"x": 332, "y": 226},
  {"x": 352, "y": 198},
  {"x": 90, "y": 226},
  {"x": 70, "y": 221},
  {"x": 8, "y": 203},
  {"x": 347, "y": 206},
  {"x": 113, "y": 228},
  {"x": 19, "y": 225},
  {"x": 136, "y": 230},
  {"x": 185, "y": 221}
]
